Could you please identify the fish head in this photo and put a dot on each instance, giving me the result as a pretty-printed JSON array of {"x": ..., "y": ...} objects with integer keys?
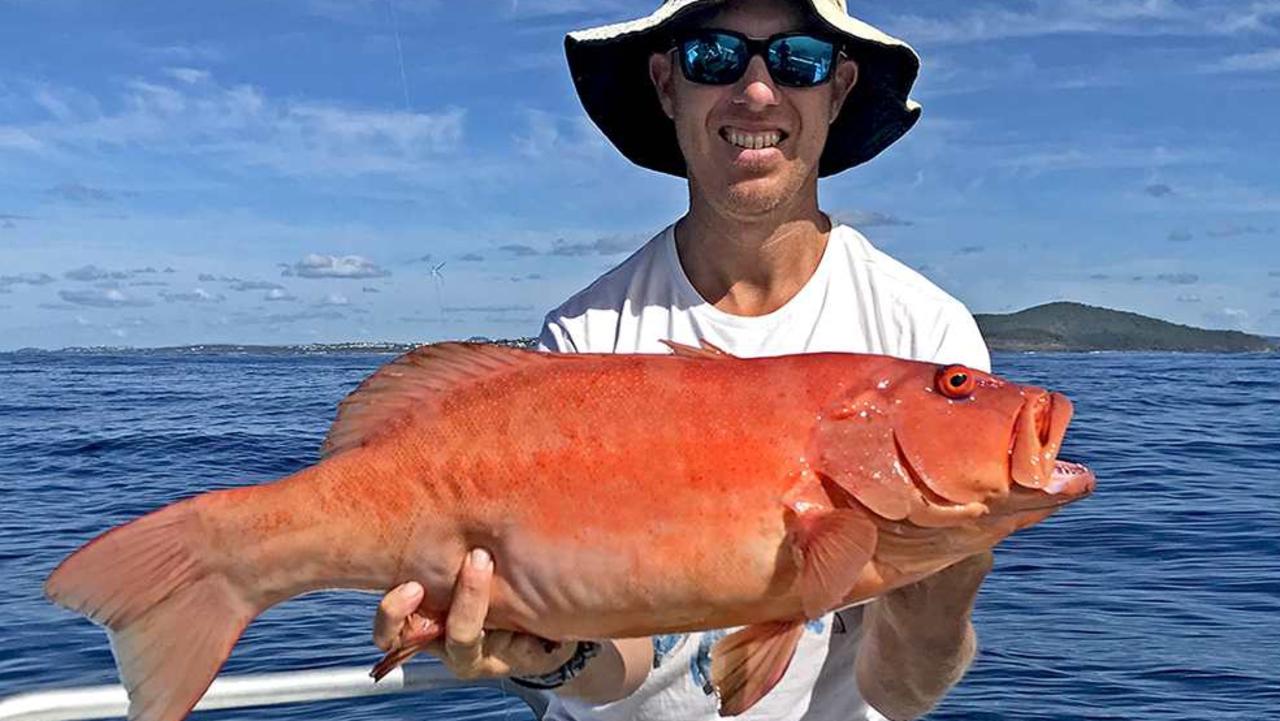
[{"x": 943, "y": 445}]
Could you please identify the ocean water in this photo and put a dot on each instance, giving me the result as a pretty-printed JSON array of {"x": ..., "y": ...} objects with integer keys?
[{"x": 1158, "y": 598}]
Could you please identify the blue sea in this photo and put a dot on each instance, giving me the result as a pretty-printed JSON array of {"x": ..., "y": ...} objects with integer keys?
[{"x": 1158, "y": 598}]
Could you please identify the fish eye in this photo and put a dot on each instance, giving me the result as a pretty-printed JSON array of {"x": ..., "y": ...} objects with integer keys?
[{"x": 956, "y": 382}]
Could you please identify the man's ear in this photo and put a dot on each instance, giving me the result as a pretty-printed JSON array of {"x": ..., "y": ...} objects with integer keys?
[
  {"x": 845, "y": 78},
  {"x": 660, "y": 73}
]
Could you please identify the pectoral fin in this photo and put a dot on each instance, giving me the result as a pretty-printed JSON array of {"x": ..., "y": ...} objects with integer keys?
[
  {"x": 747, "y": 664},
  {"x": 833, "y": 546}
]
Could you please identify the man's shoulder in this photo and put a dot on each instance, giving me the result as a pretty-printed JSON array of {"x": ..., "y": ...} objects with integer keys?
[
  {"x": 598, "y": 306},
  {"x": 892, "y": 280},
  {"x": 918, "y": 319}
]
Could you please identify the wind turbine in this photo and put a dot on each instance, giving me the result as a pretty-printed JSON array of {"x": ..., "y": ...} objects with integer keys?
[{"x": 438, "y": 278}]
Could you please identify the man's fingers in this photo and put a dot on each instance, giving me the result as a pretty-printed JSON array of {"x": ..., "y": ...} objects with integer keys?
[
  {"x": 528, "y": 655},
  {"x": 393, "y": 611},
  {"x": 464, "y": 629},
  {"x": 506, "y": 653}
]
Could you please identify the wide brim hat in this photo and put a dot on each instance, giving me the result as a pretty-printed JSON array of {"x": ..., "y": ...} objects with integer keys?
[{"x": 610, "y": 69}]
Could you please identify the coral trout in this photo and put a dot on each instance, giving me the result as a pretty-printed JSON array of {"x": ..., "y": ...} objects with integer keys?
[{"x": 620, "y": 496}]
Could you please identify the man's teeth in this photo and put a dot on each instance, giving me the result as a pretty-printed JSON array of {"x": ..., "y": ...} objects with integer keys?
[{"x": 753, "y": 141}]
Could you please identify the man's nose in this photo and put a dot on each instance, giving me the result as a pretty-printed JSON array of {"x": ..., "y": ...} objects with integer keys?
[{"x": 756, "y": 90}]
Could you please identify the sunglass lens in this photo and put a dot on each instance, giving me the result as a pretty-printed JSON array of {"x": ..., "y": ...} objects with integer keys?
[
  {"x": 713, "y": 58},
  {"x": 800, "y": 60}
]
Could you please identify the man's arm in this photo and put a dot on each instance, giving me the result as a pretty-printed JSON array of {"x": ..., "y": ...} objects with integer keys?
[
  {"x": 918, "y": 641},
  {"x": 471, "y": 652}
]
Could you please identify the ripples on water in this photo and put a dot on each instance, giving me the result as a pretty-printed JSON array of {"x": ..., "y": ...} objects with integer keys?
[{"x": 1157, "y": 599}]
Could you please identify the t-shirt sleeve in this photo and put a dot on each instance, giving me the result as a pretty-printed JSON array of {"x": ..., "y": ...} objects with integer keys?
[
  {"x": 958, "y": 340},
  {"x": 555, "y": 337}
]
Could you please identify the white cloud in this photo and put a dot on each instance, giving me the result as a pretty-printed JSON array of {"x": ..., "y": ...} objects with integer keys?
[
  {"x": 282, "y": 318},
  {"x": 190, "y": 76},
  {"x": 243, "y": 285},
  {"x": 315, "y": 265},
  {"x": 25, "y": 279},
  {"x": 608, "y": 245},
  {"x": 185, "y": 53},
  {"x": 1261, "y": 61},
  {"x": 527, "y": 9},
  {"x": 279, "y": 295},
  {"x": 563, "y": 137},
  {"x": 335, "y": 299},
  {"x": 986, "y": 21},
  {"x": 1230, "y": 318},
  {"x": 80, "y": 193},
  {"x": 1099, "y": 153},
  {"x": 12, "y": 138},
  {"x": 370, "y": 12},
  {"x": 199, "y": 295},
  {"x": 91, "y": 272},
  {"x": 189, "y": 113},
  {"x": 869, "y": 218},
  {"x": 1178, "y": 278},
  {"x": 102, "y": 298}
]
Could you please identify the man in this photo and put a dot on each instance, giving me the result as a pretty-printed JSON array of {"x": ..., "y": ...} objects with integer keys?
[{"x": 757, "y": 269}]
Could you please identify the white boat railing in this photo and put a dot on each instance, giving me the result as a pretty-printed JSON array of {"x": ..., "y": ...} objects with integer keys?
[{"x": 267, "y": 689}]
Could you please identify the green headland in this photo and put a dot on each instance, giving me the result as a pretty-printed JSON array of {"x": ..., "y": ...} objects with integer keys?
[{"x": 1066, "y": 326}]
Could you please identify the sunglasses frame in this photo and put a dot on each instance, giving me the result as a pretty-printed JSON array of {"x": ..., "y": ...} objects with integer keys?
[{"x": 755, "y": 46}]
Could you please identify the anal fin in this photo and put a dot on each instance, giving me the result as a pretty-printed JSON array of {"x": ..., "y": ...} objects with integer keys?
[
  {"x": 420, "y": 632},
  {"x": 747, "y": 664}
]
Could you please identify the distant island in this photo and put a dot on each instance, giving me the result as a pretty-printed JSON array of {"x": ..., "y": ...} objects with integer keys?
[
  {"x": 1065, "y": 326},
  {"x": 384, "y": 347},
  {"x": 1062, "y": 326}
]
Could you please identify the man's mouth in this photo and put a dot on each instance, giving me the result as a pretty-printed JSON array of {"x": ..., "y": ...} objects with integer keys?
[{"x": 752, "y": 139}]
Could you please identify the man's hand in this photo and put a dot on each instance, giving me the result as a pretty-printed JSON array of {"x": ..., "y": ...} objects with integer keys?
[
  {"x": 917, "y": 641},
  {"x": 466, "y": 648}
]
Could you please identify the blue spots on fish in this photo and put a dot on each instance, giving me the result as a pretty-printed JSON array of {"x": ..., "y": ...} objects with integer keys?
[
  {"x": 662, "y": 645},
  {"x": 700, "y": 664}
]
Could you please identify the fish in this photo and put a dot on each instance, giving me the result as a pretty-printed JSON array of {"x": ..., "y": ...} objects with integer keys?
[{"x": 619, "y": 496}]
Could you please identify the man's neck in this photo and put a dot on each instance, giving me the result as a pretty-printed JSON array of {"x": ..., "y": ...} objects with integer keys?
[{"x": 751, "y": 266}]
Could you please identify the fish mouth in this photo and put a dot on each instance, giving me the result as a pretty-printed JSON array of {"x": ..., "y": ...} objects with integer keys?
[
  {"x": 1037, "y": 437},
  {"x": 1068, "y": 482},
  {"x": 1039, "y": 479}
]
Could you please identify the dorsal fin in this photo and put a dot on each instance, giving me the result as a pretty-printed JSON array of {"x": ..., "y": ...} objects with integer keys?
[
  {"x": 413, "y": 383},
  {"x": 706, "y": 350}
]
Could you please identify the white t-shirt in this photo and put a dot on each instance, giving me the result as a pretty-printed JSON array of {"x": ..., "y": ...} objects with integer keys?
[{"x": 859, "y": 300}]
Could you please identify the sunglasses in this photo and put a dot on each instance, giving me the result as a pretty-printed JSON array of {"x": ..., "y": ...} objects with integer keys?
[{"x": 720, "y": 57}]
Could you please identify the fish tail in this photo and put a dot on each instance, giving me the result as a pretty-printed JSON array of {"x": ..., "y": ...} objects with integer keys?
[{"x": 172, "y": 615}]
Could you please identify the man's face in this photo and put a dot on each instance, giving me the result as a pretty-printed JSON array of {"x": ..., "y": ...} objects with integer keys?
[{"x": 714, "y": 122}]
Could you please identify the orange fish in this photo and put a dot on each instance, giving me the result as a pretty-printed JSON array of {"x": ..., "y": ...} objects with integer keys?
[{"x": 620, "y": 496}]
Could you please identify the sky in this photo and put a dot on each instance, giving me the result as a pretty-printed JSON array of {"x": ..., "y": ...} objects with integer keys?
[{"x": 301, "y": 171}]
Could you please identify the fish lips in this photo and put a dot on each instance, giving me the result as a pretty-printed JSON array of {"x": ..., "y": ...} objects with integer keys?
[
  {"x": 1037, "y": 437},
  {"x": 1039, "y": 478},
  {"x": 1067, "y": 483}
]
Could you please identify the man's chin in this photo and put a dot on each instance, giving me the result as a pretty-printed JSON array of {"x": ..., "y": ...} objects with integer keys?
[
  {"x": 759, "y": 195},
  {"x": 749, "y": 192}
]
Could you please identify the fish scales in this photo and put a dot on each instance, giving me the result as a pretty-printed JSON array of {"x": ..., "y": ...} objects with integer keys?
[{"x": 693, "y": 500}]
